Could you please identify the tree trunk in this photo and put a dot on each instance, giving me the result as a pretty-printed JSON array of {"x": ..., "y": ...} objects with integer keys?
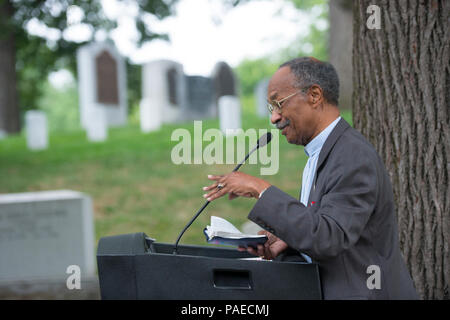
[
  {"x": 340, "y": 47},
  {"x": 9, "y": 107},
  {"x": 401, "y": 103}
]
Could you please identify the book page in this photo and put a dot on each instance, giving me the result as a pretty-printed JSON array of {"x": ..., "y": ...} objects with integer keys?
[{"x": 220, "y": 224}]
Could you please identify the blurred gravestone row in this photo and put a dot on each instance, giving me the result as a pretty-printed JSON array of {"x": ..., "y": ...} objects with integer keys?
[
  {"x": 168, "y": 96},
  {"x": 171, "y": 96}
]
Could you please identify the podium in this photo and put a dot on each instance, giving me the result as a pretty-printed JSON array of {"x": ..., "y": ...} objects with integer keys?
[{"x": 134, "y": 266}]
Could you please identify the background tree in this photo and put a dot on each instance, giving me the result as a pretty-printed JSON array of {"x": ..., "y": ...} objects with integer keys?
[
  {"x": 401, "y": 103},
  {"x": 26, "y": 60},
  {"x": 340, "y": 47},
  {"x": 314, "y": 43}
]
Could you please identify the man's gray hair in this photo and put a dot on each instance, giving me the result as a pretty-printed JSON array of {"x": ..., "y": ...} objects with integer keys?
[{"x": 309, "y": 71}]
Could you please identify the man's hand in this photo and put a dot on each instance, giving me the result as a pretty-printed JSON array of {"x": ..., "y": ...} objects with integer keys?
[
  {"x": 270, "y": 250},
  {"x": 235, "y": 184}
]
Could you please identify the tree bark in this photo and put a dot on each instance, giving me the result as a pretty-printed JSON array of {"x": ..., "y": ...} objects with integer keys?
[
  {"x": 9, "y": 106},
  {"x": 401, "y": 104}
]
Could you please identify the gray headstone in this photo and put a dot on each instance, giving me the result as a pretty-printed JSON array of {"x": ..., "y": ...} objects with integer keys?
[
  {"x": 42, "y": 233},
  {"x": 200, "y": 96},
  {"x": 163, "y": 92}
]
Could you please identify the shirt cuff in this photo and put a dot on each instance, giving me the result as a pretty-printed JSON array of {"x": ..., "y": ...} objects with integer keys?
[{"x": 260, "y": 195}]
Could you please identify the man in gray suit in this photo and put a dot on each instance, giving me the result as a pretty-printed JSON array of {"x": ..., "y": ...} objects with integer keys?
[{"x": 345, "y": 220}]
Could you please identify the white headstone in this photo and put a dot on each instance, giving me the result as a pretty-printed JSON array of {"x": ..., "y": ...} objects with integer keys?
[
  {"x": 3, "y": 134},
  {"x": 261, "y": 98},
  {"x": 150, "y": 115},
  {"x": 36, "y": 130},
  {"x": 43, "y": 233},
  {"x": 102, "y": 83},
  {"x": 229, "y": 114},
  {"x": 164, "y": 84},
  {"x": 96, "y": 127}
]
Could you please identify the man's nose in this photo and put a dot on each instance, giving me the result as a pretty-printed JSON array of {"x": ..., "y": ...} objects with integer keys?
[{"x": 275, "y": 117}]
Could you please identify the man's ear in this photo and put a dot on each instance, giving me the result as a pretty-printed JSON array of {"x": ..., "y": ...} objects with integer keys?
[{"x": 315, "y": 96}]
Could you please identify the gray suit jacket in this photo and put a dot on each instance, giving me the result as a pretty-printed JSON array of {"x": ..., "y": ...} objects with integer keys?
[{"x": 349, "y": 223}]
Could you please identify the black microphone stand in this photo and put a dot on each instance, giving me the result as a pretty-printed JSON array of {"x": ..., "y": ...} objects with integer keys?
[{"x": 268, "y": 138}]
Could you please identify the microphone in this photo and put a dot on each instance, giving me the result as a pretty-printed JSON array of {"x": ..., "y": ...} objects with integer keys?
[{"x": 263, "y": 140}]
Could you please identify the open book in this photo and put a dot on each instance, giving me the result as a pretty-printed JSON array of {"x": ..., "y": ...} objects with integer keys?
[{"x": 223, "y": 232}]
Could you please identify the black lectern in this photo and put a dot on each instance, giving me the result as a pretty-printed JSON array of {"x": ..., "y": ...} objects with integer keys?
[{"x": 133, "y": 266}]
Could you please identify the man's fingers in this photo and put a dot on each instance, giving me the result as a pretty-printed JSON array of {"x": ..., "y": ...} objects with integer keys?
[
  {"x": 217, "y": 193},
  {"x": 261, "y": 251},
  {"x": 213, "y": 177},
  {"x": 214, "y": 189},
  {"x": 211, "y": 187},
  {"x": 252, "y": 251}
]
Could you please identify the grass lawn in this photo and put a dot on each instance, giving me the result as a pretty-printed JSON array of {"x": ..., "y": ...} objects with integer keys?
[{"x": 134, "y": 184}]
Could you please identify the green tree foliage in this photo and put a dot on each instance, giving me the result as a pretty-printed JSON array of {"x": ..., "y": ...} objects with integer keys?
[
  {"x": 134, "y": 84},
  {"x": 307, "y": 5},
  {"x": 251, "y": 71},
  {"x": 37, "y": 56},
  {"x": 315, "y": 43},
  {"x": 61, "y": 106},
  {"x": 34, "y": 61}
]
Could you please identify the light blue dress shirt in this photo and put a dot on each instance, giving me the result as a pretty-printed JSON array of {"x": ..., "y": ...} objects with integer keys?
[{"x": 312, "y": 150}]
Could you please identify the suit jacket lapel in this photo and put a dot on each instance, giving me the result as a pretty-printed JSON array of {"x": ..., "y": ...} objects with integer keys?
[
  {"x": 338, "y": 130},
  {"x": 341, "y": 126}
]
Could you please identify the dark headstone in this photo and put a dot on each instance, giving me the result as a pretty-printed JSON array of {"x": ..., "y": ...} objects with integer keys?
[
  {"x": 224, "y": 81},
  {"x": 106, "y": 71},
  {"x": 172, "y": 86},
  {"x": 200, "y": 92}
]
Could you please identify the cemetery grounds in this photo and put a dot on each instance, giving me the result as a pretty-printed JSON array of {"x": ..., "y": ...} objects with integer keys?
[{"x": 133, "y": 183}]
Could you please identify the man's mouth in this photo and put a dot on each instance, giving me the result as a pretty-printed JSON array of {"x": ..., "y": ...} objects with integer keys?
[{"x": 282, "y": 125}]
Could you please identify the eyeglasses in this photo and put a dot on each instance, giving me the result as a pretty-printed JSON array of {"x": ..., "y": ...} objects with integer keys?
[{"x": 276, "y": 105}]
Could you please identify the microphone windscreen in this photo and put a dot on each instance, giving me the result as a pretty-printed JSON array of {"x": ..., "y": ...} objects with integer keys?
[{"x": 265, "y": 139}]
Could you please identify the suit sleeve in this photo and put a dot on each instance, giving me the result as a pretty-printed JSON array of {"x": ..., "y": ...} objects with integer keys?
[{"x": 334, "y": 223}]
